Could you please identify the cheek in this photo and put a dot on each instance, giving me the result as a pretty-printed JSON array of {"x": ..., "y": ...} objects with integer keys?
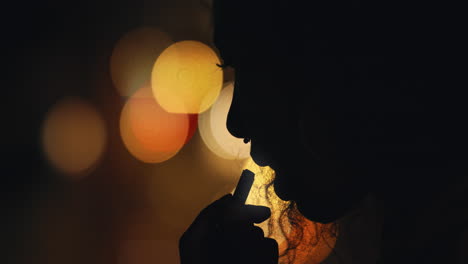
[{"x": 318, "y": 135}]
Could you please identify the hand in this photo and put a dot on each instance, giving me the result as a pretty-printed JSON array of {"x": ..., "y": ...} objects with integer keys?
[{"x": 224, "y": 232}]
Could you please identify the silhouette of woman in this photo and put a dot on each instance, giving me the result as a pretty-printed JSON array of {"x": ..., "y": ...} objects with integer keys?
[{"x": 344, "y": 99}]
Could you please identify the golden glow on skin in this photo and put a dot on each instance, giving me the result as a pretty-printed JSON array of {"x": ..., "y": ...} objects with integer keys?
[
  {"x": 315, "y": 248},
  {"x": 151, "y": 134},
  {"x": 186, "y": 78},
  {"x": 73, "y": 137},
  {"x": 133, "y": 58},
  {"x": 213, "y": 130}
]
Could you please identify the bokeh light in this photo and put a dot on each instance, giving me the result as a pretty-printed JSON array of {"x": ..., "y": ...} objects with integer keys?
[
  {"x": 151, "y": 134},
  {"x": 193, "y": 125},
  {"x": 133, "y": 58},
  {"x": 74, "y": 136},
  {"x": 186, "y": 78},
  {"x": 318, "y": 239},
  {"x": 213, "y": 130},
  {"x": 148, "y": 251}
]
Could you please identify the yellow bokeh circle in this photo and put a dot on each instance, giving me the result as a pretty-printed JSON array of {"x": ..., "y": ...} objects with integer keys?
[{"x": 186, "y": 78}]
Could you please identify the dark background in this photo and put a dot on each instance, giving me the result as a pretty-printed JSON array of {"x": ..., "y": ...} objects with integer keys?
[{"x": 53, "y": 49}]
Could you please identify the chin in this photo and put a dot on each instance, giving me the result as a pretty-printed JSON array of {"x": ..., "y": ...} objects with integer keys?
[
  {"x": 261, "y": 158},
  {"x": 281, "y": 186}
]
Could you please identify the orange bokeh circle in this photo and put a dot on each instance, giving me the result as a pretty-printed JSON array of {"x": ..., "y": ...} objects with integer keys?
[{"x": 151, "y": 134}]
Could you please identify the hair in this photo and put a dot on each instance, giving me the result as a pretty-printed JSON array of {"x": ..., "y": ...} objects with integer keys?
[
  {"x": 297, "y": 240},
  {"x": 287, "y": 222},
  {"x": 416, "y": 39}
]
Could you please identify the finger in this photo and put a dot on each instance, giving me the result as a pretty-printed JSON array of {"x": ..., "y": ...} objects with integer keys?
[
  {"x": 256, "y": 213},
  {"x": 226, "y": 212},
  {"x": 245, "y": 233},
  {"x": 215, "y": 210},
  {"x": 244, "y": 185},
  {"x": 247, "y": 214},
  {"x": 257, "y": 232},
  {"x": 209, "y": 216}
]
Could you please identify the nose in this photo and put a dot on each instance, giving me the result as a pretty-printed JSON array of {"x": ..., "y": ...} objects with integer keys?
[{"x": 237, "y": 119}]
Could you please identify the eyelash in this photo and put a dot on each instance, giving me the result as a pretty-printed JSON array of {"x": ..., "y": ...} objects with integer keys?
[{"x": 222, "y": 66}]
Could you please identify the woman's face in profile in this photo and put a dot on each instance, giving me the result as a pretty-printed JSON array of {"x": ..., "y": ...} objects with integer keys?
[
  {"x": 292, "y": 132},
  {"x": 291, "y": 123},
  {"x": 263, "y": 111}
]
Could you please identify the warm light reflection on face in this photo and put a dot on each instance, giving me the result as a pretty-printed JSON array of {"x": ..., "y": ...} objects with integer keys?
[
  {"x": 74, "y": 136},
  {"x": 151, "y": 134},
  {"x": 185, "y": 78},
  {"x": 315, "y": 247},
  {"x": 133, "y": 58},
  {"x": 213, "y": 130}
]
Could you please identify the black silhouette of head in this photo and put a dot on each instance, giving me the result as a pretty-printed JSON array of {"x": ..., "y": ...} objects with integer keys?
[{"x": 318, "y": 91}]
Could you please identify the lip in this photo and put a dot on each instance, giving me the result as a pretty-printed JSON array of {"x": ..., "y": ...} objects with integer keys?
[{"x": 260, "y": 156}]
